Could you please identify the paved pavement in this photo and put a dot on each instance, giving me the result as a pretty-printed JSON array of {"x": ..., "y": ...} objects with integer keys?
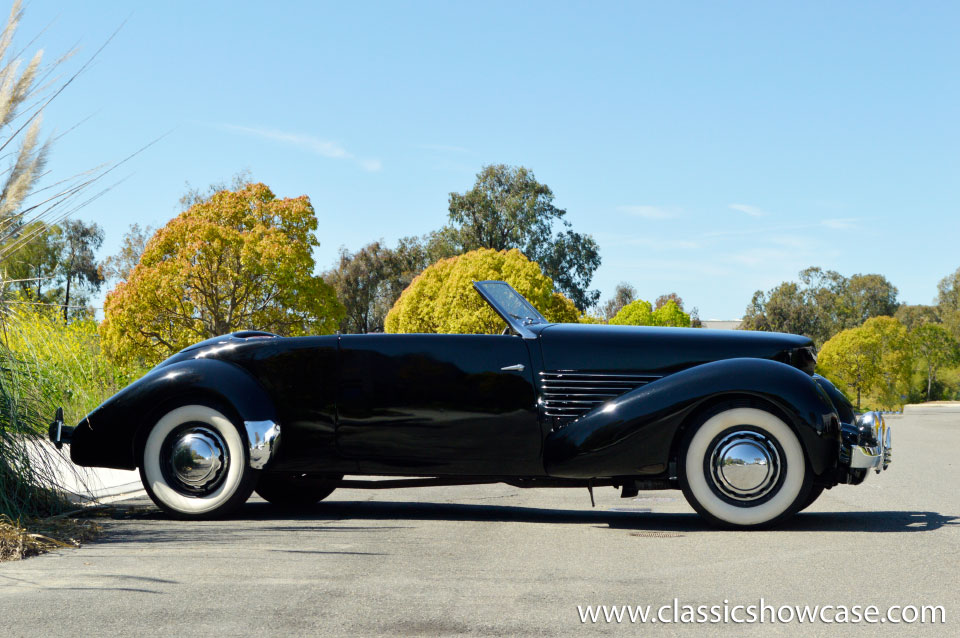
[{"x": 495, "y": 560}]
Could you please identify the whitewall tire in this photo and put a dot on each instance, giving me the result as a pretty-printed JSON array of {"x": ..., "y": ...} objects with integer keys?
[
  {"x": 194, "y": 463},
  {"x": 744, "y": 467}
]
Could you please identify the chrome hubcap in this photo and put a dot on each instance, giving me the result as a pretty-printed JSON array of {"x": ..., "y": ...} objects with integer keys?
[
  {"x": 197, "y": 458},
  {"x": 745, "y": 465}
]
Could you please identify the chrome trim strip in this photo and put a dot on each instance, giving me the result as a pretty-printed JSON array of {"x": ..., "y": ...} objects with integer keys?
[
  {"x": 263, "y": 437},
  {"x": 569, "y": 394}
]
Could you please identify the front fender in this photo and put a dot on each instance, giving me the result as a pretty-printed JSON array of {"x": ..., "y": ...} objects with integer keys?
[
  {"x": 634, "y": 434},
  {"x": 109, "y": 435}
]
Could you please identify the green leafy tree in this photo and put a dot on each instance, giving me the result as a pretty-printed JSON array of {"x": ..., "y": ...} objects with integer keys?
[
  {"x": 635, "y": 313},
  {"x": 237, "y": 260},
  {"x": 874, "y": 359},
  {"x": 671, "y": 314},
  {"x": 662, "y": 300},
  {"x": 935, "y": 349},
  {"x": 119, "y": 266},
  {"x": 823, "y": 303},
  {"x": 641, "y": 313},
  {"x": 913, "y": 316},
  {"x": 849, "y": 361},
  {"x": 948, "y": 302},
  {"x": 508, "y": 208},
  {"x": 79, "y": 242},
  {"x": 623, "y": 294},
  {"x": 864, "y": 297},
  {"x": 34, "y": 267},
  {"x": 369, "y": 281},
  {"x": 785, "y": 308},
  {"x": 895, "y": 358},
  {"x": 442, "y": 299}
]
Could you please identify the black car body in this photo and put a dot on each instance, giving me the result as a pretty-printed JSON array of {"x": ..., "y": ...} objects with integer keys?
[{"x": 543, "y": 404}]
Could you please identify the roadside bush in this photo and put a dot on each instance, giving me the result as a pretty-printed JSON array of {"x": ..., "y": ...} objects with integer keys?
[
  {"x": 442, "y": 299},
  {"x": 45, "y": 364}
]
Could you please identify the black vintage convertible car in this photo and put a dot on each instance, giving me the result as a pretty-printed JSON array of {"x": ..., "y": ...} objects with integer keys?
[{"x": 737, "y": 420}]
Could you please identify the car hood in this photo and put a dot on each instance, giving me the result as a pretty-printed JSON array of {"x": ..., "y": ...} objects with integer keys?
[{"x": 662, "y": 351}]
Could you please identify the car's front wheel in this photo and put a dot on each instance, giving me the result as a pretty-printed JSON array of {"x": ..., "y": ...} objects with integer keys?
[
  {"x": 194, "y": 463},
  {"x": 744, "y": 467}
]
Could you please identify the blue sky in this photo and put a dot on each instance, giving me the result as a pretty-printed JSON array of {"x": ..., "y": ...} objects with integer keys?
[{"x": 710, "y": 148}]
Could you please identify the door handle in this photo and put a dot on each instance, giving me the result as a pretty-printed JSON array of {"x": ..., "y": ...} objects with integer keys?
[{"x": 518, "y": 367}]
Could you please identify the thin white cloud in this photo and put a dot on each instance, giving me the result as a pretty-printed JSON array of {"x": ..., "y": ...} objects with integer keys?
[
  {"x": 842, "y": 223},
  {"x": 648, "y": 212},
  {"x": 753, "y": 211},
  {"x": 316, "y": 145}
]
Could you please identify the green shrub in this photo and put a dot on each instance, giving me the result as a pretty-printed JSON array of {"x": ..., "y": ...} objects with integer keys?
[{"x": 45, "y": 364}]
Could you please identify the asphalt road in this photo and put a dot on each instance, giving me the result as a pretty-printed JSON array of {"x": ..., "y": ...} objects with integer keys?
[{"x": 495, "y": 560}]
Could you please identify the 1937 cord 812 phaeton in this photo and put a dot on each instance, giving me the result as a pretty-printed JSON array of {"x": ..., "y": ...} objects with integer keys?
[{"x": 737, "y": 420}]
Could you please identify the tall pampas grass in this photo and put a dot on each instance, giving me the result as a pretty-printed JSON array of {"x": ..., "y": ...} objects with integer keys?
[{"x": 43, "y": 362}]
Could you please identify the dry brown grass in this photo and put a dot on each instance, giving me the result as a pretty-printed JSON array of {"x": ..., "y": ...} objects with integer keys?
[{"x": 20, "y": 539}]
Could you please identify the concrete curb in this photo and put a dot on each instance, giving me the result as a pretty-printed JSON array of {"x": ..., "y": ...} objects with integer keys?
[
  {"x": 934, "y": 407},
  {"x": 85, "y": 485}
]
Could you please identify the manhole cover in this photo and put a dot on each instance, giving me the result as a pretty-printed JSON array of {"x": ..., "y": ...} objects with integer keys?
[{"x": 656, "y": 534}]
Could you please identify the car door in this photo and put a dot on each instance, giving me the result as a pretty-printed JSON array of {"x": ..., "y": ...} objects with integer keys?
[{"x": 457, "y": 403}]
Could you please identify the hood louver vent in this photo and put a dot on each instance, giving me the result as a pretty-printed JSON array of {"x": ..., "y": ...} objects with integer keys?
[{"x": 568, "y": 395}]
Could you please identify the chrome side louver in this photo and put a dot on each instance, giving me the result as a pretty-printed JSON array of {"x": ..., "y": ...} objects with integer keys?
[{"x": 566, "y": 395}]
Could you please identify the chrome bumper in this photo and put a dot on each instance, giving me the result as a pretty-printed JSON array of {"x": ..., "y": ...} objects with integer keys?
[
  {"x": 263, "y": 437},
  {"x": 879, "y": 454}
]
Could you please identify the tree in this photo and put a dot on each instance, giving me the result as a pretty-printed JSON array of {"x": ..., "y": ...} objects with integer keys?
[
  {"x": 873, "y": 359},
  {"x": 670, "y": 296},
  {"x": 239, "y": 259},
  {"x": 369, "y": 281},
  {"x": 623, "y": 294},
  {"x": 641, "y": 313},
  {"x": 847, "y": 359},
  {"x": 79, "y": 242},
  {"x": 895, "y": 358},
  {"x": 936, "y": 348},
  {"x": 913, "y": 316},
  {"x": 442, "y": 300},
  {"x": 119, "y": 266},
  {"x": 671, "y": 314},
  {"x": 196, "y": 195},
  {"x": 948, "y": 302},
  {"x": 867, "y": 296},
  {"x": 635, "y": 313},
  {"x": 822, "y": 304},
  {"x": 508, "y": 208},
  {"x": 34, "y": 267},
  {"x": 785, "y": 308}
]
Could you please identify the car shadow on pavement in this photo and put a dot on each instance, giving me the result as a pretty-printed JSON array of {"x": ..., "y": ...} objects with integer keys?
[
  {"x": 640, "y": 520},
  {"x": 332, "y": 514},
  {"x": 877, "y": 521}
]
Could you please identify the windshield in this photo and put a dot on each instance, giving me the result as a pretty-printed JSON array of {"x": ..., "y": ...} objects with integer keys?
[{"x": 509, "y": 303}]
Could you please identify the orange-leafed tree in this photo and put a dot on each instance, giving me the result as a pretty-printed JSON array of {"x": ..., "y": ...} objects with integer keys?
[{"x": 236, "y": 260}]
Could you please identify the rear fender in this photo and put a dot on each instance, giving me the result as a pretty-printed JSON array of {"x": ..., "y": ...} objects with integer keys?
[
  {"x": 109, "y": 436},
  {"x": 635, "y": 433}
]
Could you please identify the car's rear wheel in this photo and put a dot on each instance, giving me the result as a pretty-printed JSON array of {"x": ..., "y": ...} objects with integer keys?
[
  {"x": 295, "y": 490},
  {"x": 743, "y": 467},
  {"x": 194, "y": 463}
]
